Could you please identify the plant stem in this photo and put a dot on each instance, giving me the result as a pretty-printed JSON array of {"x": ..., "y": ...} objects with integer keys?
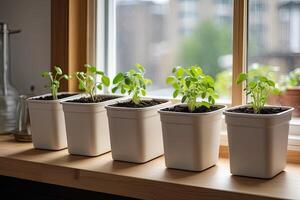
[
  {"x": 92, "y": 96},
  {"x": 54, "y": 94}
]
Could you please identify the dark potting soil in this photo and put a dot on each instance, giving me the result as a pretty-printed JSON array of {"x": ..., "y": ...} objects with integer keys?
[
  {"x": 98, "y": 99},
  {"x": 265, "y": 110},
  {"x": 50, "y": 97},
  {"x": 142, "y": 104},
  {"x": 184, "y": 108}
]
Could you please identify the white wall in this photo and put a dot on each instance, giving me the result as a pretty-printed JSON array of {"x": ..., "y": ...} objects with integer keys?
[{"x": 30, "y": 49}]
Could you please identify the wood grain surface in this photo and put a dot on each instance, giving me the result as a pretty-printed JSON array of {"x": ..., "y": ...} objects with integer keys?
[{"x": 151, "y": 180}]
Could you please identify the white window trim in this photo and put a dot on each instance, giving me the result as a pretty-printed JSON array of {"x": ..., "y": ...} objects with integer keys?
[{"x": 100, "y": 35}]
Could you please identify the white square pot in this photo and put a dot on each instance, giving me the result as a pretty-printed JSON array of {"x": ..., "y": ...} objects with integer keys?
[
  {"x": 47, "y": 123},
  {"x": 87, "y": 127},
  {"x": 191, "y": 140},
  {"x": 258, "y": 142},
  {"x": 135, "y": 133}
]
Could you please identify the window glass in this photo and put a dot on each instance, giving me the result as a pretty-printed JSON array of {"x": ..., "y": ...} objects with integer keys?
[
  {"x": 162, "y": 34},
  {"x": 274, "y": 40}
]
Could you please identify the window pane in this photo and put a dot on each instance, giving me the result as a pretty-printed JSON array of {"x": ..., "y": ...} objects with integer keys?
[
  {"x": 274, "y": 42},
  {"x": 162, "y": 34}
]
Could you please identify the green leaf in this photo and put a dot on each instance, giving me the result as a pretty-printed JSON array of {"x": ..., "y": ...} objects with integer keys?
[
  {"x": 139, "y": 76},
  {"x": 58, "y": 70},
  {"x": 147, "y": 81},
  {"x": 170, "y": 80},
  {"x": 252, "y": 84},
  {"x": 188, "y": 83},
  {"x": 263, "y": 79},
  {"x": 131, "y": 71},
  {"x": 215, "y": 95},
  {"x": 209, "y": 79},
  {"x": 195, "y": 79},
  {"x": 179, "y": 72},
  {"x": 81, "y": 85},
  {"x": 100, "y": 72},
  {"x": 140, "y": 67},
  {"x": 127, "y": 87},
  {"x": 242, "y": 77},
  {"x": 100, "y": 87},
  {"x": 114, "y": 89},
  {"x": 123, "y": 90},
  {"x": 276, "y": 91},
  {"x": 118, "y": 78},
  {"x": 194, "y": 70},
  {"x": 87, "y": 65},
  {"x": 174, "y": 70},
  {"x": 65, "y": 76},
  {"x": 175, "y": 93},
  {"x": 197, "y": 70},
  {"x": 271, "y": 83},
  {"x": 89, "y": 78},
  {"x": 183, "y": 99},
  {"x": 210, "y": 90},
  {"x": 93, "y": 69},
  {"x": 105, "y": 80},
  {"x": 133, "y": 82},
  {"x": 55, "y": 82},
  {"x": 127, "y": 81},
  {"x": 45, "y": 74},
  {"x": 143, "y": 92},
  {"x": 176, "y": 86},
  {"x": 204, "y": 103}
]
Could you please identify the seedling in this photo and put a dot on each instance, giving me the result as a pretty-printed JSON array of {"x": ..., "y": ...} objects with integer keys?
[
  {"x": 258, "y": 88},
  {"x": 132, "y": 82},
  {"x": 191, "y": 83},
  {"x": 88, "y": 80},
  {"x": 55, "y": 80}
]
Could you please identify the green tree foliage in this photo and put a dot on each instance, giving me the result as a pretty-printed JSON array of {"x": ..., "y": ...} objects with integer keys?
[{"x": 205, "y": 46}]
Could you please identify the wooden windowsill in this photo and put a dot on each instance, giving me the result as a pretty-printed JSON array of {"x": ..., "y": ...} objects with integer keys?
[{"x": 147, "y": 181}]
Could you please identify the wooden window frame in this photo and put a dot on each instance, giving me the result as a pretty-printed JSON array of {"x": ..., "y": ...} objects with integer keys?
[
  {"x": 73, "y": 36},
  {"x": 240, "y": 37}
]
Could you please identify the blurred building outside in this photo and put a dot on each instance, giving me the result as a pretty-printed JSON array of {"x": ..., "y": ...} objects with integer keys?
[{"x": 162, "y": 34}]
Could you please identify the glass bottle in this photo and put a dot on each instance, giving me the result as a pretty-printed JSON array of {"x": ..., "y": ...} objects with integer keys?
[{"x": 8, "y": 94}]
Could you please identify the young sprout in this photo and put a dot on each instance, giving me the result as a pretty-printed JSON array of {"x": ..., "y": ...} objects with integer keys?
[
  {"x": 259, "y": 88},
  {"x": 55, "y": 80},
  {"x": 88, "y": 80},
  {"x": 192, "y": 84},
  {"x": 132, "y": 82}
]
